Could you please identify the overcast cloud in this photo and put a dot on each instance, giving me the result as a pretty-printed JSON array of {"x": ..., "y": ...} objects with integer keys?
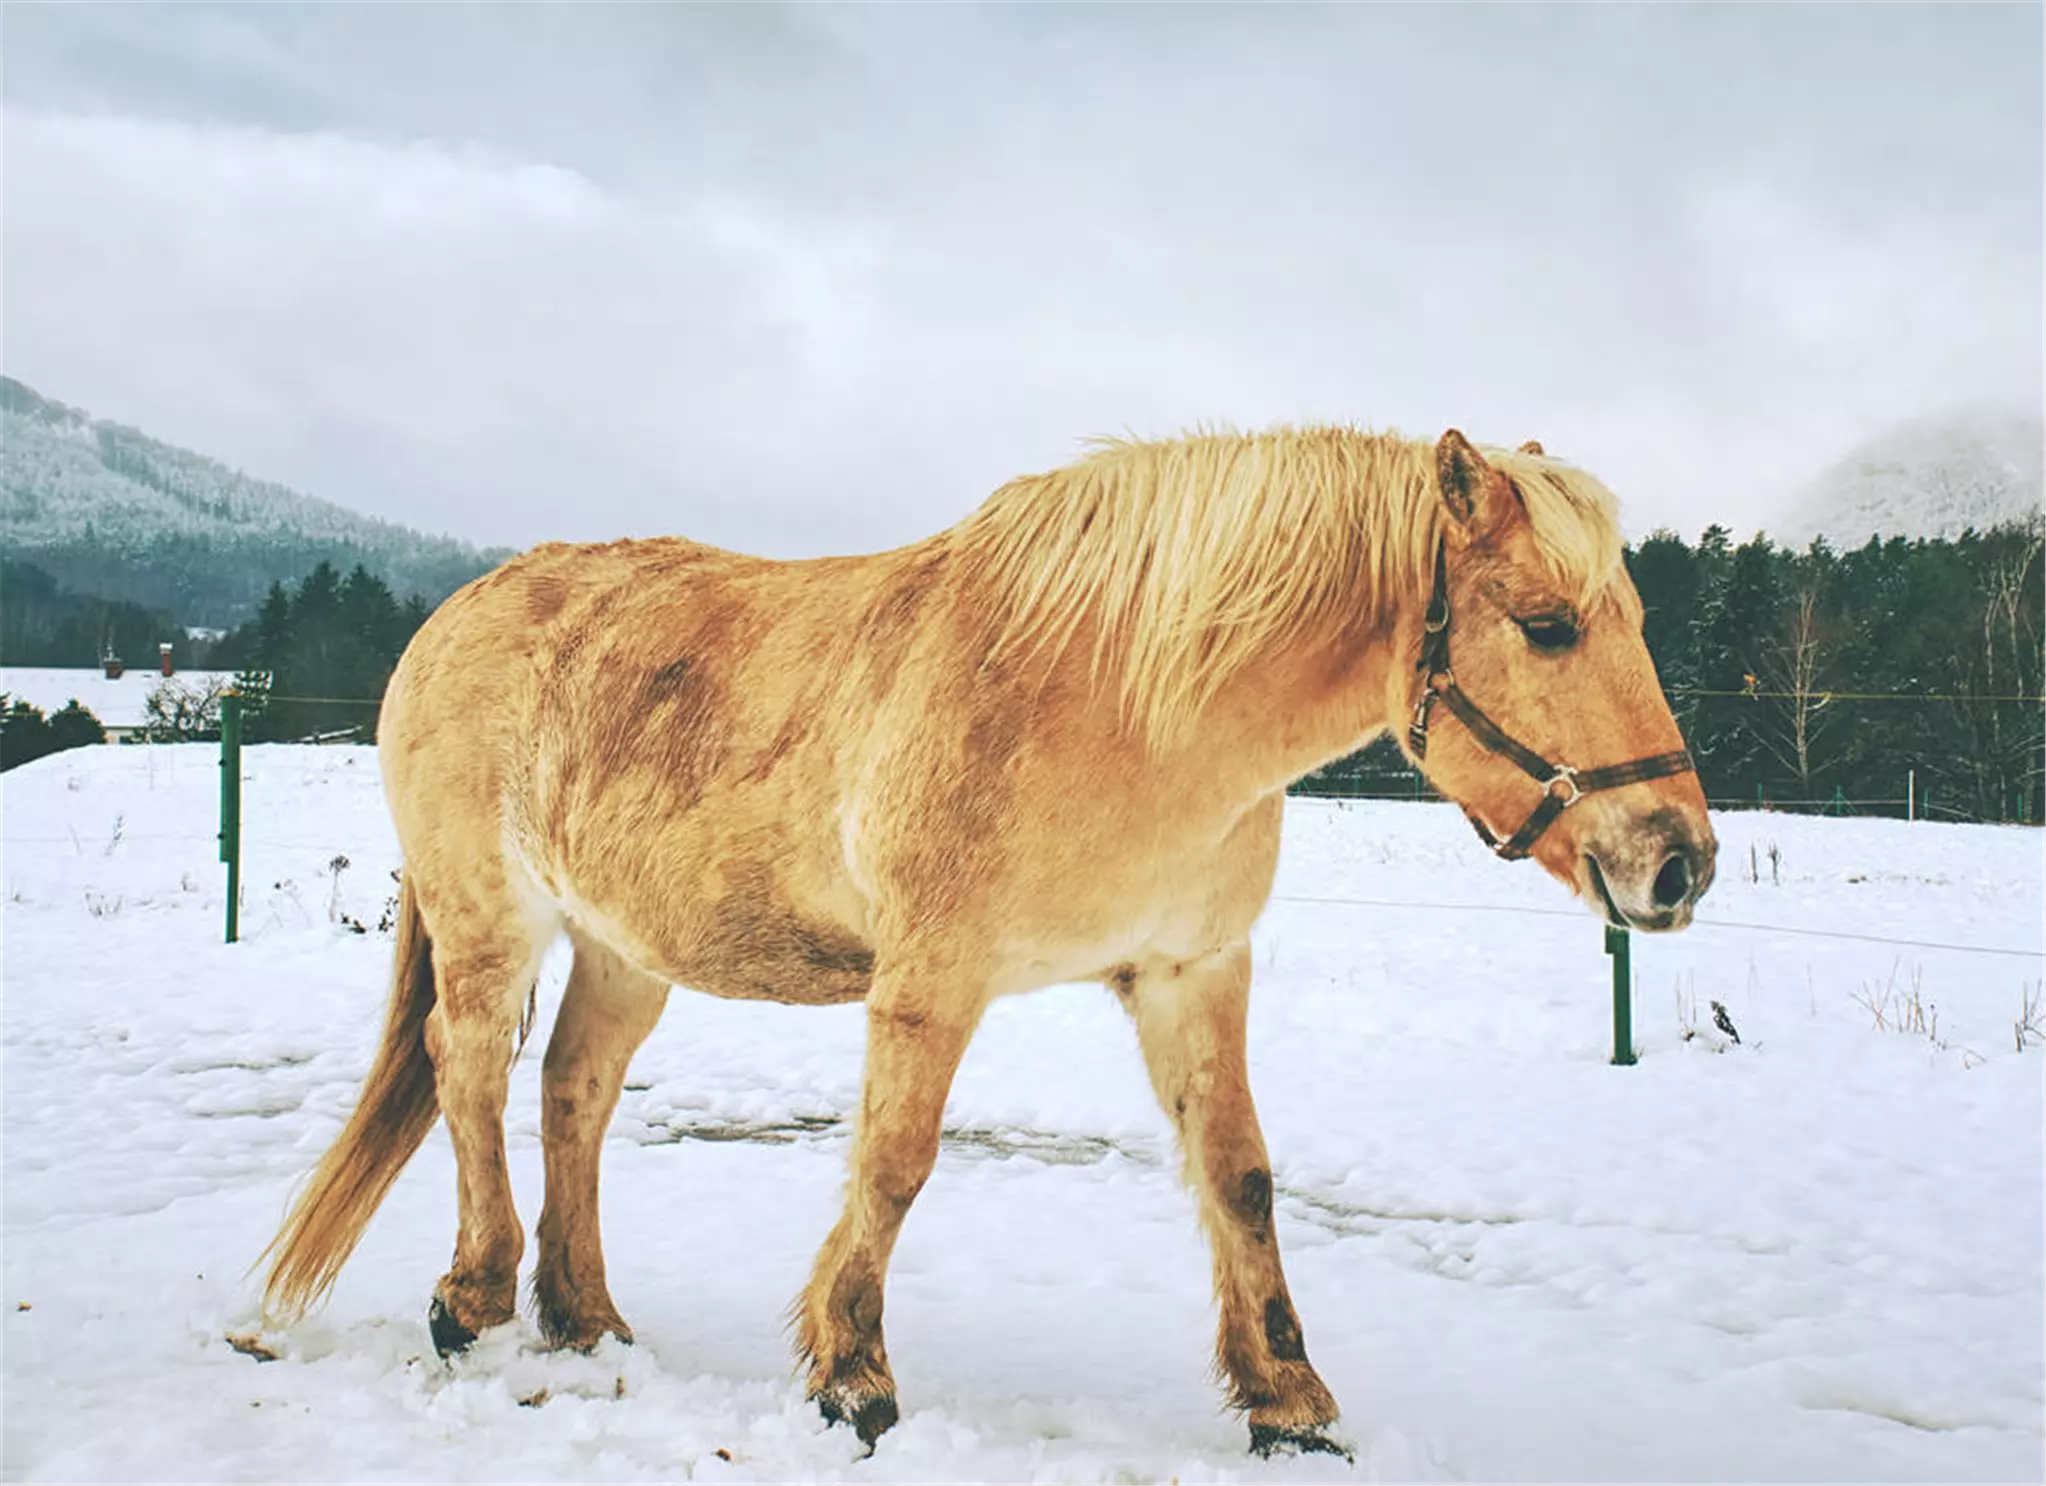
[{"x": 819, "y": 279}]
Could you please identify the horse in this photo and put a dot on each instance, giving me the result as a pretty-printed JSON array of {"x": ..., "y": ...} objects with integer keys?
[{"x": 1048, "y": 744}]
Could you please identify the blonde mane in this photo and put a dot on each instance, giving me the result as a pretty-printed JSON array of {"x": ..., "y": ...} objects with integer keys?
[{"x": 1191, "y": 558}]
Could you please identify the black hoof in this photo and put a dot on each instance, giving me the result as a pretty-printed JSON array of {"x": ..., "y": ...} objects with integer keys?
[
  {"x": 449, "y": 1335},
  {"x": 870, "y": 1420},
  {"x": 1267, "y": 1440}
]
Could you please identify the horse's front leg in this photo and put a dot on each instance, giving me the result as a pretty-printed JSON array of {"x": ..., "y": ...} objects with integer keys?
[
  {"x": 918, "y": 1025},
  {"x": 1190, "y": 1022}
]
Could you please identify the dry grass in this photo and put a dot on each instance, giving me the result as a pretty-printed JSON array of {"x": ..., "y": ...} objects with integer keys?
[
  {"x": 2029, "y": 1029},
  {"x": 1904, "y": 1009}
]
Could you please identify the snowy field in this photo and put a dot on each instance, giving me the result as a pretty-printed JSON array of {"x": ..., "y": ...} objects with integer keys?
[{"x": 1811, "y": 1255}]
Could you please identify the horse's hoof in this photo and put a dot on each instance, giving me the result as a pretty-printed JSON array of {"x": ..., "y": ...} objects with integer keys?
[
  {"x": 563, "y": 1335},
  {"x": 870, "y": 1417},
  {"x": 588, "y": 1342},
  {"x": 1267, "y": 1440},
  {"x": 449, "y": 1335}
]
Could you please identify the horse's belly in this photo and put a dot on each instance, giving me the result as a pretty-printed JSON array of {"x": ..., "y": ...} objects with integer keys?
[{"x": 776, "y": 958}]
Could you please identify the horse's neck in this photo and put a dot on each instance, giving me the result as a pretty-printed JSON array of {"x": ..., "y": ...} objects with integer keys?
[{"x": 1297, "y": 710}]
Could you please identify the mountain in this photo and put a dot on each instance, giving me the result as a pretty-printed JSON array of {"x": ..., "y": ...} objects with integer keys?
[
  {"x": 1932, "y": 477},
  {"x": 108, "y": 511}
]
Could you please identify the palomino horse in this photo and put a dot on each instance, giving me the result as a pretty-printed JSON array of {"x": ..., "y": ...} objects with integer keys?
[{"x": 1050, "y": 744}]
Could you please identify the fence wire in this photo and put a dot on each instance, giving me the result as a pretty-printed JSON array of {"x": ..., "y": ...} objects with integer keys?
[
  {"x": 1405, "y": 905},
  {"x": 1408, "y": 905}
]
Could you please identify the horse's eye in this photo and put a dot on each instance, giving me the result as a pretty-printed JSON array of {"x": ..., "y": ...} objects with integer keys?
[{"x": 1549, "y": 634}]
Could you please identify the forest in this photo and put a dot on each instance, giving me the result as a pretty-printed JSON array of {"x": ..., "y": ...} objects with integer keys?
[
  {"x": 45, "y": 623},
  {"x": 315, "y": 659},
  {"x": 1847, "y": 681}
]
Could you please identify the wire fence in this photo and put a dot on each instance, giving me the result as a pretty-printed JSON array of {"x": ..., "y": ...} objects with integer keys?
[
  {"x": 1345, "y": 780},
  {"x": 329, "y": 848},
  {"x": 1787, "y": 798},
  {"x": 1406, "y": 905},
  {"x": 230, "y": 841}
]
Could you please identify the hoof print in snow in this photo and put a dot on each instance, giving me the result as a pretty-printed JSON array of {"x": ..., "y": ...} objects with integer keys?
[
  {"x": 449, "y": 1335},
  {"x": 1267, "y": 1440},
  {"x": 870, "y": 1418}
]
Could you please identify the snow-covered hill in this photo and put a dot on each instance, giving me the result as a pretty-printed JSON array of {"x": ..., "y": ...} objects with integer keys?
[
  {"x": 103, "y": 507},
  {"x": 1932, "y": 477}
]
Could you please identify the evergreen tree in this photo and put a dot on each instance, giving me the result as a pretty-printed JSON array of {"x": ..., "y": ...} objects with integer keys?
[
  {"x": 273, "y": 630},
  {"x": 73, "y": 726},
  {"x": 26, "y": 735}
]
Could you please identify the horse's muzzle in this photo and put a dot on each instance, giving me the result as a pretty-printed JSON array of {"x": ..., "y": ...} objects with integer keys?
[{"x": 1652, "y": 885}]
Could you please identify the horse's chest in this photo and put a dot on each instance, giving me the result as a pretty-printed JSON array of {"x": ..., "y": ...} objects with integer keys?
[{"x": 1165, "y": 904}]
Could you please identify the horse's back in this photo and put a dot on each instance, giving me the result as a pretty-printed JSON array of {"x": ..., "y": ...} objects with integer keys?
[{"x": 659, "y": 739}]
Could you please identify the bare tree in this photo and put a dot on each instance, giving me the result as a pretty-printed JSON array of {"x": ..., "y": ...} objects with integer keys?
[
  {"x": 2010, "y": 626},
  {"x": 1793, "y": 668},
  {"x": 184, "y": 711}
]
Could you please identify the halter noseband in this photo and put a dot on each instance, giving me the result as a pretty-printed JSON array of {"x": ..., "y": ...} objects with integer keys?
[{"x": 1562, "y": 785}]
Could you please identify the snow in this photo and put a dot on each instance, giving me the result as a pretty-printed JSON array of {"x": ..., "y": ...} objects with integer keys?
[
  {"x": 1811, "y": 1255},
  {"x": 120, "y": 704}
]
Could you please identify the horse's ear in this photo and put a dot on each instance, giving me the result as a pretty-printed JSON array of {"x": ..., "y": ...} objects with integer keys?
[
  {"x": 1532, "y": 446},
  {"x": 1478, "y": 496}
]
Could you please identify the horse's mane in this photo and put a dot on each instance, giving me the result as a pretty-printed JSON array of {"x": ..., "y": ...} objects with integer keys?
[{"x": 1190, "y": 558}]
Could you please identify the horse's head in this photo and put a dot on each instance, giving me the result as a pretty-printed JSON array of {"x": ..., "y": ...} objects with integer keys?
[{"x": 1536, "y": 707}]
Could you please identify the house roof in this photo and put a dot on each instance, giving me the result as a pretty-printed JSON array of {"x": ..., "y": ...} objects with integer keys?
[{"x": 117, "y": 704}]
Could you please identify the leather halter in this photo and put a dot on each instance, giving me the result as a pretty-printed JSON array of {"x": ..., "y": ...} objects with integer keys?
[{"x": 1562, "y": 786}]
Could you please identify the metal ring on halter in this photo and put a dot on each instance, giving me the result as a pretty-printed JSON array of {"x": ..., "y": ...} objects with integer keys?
[{"x": 1564, "y": 775}]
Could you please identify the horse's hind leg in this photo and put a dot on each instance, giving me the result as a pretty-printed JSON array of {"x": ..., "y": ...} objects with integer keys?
[
  {"x": 1190, "y": 1022},
  {"x": 606, "y": 1012},
  {"x": 486, "y": 953}
]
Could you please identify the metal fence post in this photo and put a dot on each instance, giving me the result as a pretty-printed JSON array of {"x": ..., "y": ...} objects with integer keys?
[
  {"x": 1623, "y": 996},
  {"x": 231, "y": 807}
]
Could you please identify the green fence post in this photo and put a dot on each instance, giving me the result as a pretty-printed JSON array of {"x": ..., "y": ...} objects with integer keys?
[
  {"x": 231, "y": 807},
  {"x": 1623, "y": 996}
]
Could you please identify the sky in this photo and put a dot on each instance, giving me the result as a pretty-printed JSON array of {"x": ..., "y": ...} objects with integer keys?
[{"x": 819, "y": 279}]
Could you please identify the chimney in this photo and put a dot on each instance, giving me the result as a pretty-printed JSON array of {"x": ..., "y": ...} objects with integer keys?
[
  {"x": 112, "y": 665},
  {"x": 163, "y": 658}
]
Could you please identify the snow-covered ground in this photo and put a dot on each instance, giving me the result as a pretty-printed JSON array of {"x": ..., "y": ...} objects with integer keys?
[{"x": 1814, "y": 1255}]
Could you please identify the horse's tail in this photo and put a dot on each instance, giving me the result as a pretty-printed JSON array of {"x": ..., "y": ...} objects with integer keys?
[{"x": 396, "y": 1110}]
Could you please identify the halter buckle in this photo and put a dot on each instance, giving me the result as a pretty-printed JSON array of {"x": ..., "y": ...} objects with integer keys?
[
  {"x": 1417, "y": 729},
  {"x": 1566, "y": 776}
]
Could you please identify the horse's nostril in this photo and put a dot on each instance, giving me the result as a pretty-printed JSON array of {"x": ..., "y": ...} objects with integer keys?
[{"x": 1673, "y": 882}]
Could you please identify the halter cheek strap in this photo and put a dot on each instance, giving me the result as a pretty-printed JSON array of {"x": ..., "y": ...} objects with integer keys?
[{"x": 1562, "y": 786}]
